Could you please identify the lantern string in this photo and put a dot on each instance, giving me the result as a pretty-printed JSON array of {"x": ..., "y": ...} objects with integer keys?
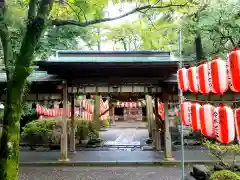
[{"x": 211, "y": 101}]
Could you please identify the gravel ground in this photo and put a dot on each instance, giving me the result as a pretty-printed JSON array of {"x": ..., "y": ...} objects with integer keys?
[{"x": 100, "y": 173}]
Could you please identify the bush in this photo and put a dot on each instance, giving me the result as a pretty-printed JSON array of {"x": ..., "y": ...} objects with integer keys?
[
  {"x": 50, "y": 129},
  {"x": 224, "y": 175},
  {"x": 105, "y": 123},
  {"x": 39, "y": 126},
  {"x": 223, "y": 153},
  {"x": 85, "y": 129}
]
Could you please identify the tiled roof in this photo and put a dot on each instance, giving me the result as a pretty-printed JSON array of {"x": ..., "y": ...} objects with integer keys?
[
  {"x": 36, "y": 76},
  {"x": 111, "y": 59}
]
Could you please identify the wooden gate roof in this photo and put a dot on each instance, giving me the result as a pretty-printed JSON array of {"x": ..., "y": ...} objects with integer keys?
[{"x": 84, "y": 66}]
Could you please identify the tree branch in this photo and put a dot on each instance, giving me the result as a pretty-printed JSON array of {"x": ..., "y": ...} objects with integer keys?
[
  {"x": 32, "y": 10},
  {"x": 6, "y": 43},
  {"x": 58, "y": 22}
]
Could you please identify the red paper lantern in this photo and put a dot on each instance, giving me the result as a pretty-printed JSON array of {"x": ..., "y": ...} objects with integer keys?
[
  {"x": 233, "y": 66},
  {"x": 161, "y": 110},
  {"x": 193, "y": 84},
  {"x": 207, "y": 120},
  {"x": 219, "y": 77},
  {"x": 185, "y": 109},
  {"x": 39, "y": 109},
  {"x": 54, "y": 112},
  {"x": 203, "y": 78},
  {"x": 195, "y": 110},
  {"x": 182, "y": 79},
  {"x": 224, "y": 124},
  {"x": 44, "y": 111},
  {"x": 237, "y": 123}
]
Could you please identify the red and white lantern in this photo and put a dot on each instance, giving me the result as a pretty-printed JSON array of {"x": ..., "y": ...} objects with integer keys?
[
  {"x": 237, "y": 123},
  {"x": 39, "y": 109},
  {"x": 207, "y": 120},
  {"x": 219, "y": 77},
  {"x": 203, "y": 77},
  {"x": 233, "y": 67},
  {"x": 161, "y": 110},
  {"x": 195, "y": 110},
  {"x": 224, "y": 124},
  {"x": 193, "y": 83},
  {"x": 185, "y": 109},
  {"x": 182, "y": 79}
]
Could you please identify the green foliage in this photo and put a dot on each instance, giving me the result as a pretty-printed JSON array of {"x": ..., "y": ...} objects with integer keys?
[
  {"x": 105, "y": 123},
  {"x": 39, "y": 126},
  {"x": 224, "y": 175},
  {"x": 219, "y": 147},
  {"x": 84, "y": 128},
  {"x": 218, "y": 22},
  {"x": 223, "y": 152},
  {"x": 63, "y": 38}
]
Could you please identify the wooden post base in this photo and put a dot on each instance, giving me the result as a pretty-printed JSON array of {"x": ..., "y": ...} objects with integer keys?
[
  {"x": 64, "y": 160},
  {"x": 169, "y": 159}
]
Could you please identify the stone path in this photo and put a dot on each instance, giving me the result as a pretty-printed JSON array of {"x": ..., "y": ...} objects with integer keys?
[
  {"x": 93, "y": 173},
  {"x": 113, "y": 156},
  {"x": 126, "y": 136},
  {"x": 127, "y": 124}
]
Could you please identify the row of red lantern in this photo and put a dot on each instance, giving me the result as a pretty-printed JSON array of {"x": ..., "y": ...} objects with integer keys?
[
  {"x": 90, "y": 107},
  {"x": 219, "y": 122},
  {"x": 41, "y": 110},
  {"x": 129, "y": 104},
  {"x": 161, "y": 110},
  {"x": 215, "y": 76},
  {"x": 56, "y": 112}
]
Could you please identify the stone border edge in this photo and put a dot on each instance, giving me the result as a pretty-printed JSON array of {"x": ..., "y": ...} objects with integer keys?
[{"x": 116, "y": 163}]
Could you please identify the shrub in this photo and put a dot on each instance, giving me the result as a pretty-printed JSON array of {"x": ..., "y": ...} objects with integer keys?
[
  {"x": 39, "y": 126},
  {"x": 224, "y": 175},
  {"x": 105, "y": 123},
  {"x": 85, "y": 129},
  {"x": 223, "y": 152},
  {"x": 51, "y": 129}
]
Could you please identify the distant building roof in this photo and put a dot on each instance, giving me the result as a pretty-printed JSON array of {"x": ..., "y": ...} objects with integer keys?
[
  {"x": 111, "y": 56},
  {"x": 36, "y": 76},
  {"x": 62, "y": 53}
]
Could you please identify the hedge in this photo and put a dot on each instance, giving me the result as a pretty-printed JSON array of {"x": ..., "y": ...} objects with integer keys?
[{"x": 48, "y": 131}]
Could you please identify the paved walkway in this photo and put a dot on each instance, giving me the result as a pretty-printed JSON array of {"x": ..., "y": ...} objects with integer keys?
[
  {"x": 129, "y": 136},
  {"x": 113, "y": 156},
  {"x": 93, "y": 173},
  {"x": 129, "y": 124}
]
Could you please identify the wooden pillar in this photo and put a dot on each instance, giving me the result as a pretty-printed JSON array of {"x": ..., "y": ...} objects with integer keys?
[
  {"x": 157, "y": 138},
  {"x": 168, "y": 139},
  {"x": 113, "y": 115},
  {"x": 64, "y": 134},
  {"x": 72, "y": 132},
  {"x": 149, "y": 113},
  {"x": 96, "y": 114}
]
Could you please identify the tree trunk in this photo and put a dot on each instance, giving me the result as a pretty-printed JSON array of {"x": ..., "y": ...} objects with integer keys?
[
  {"x": 199, "y": 48},
  {"x": 9, "y": 146},
  {"x": 9, "y": 154}
]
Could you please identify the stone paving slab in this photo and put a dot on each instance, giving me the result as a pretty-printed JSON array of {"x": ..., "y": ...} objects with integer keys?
[
  {"x": 100, "y": 173},
  {"x": 113, "y": 158}
]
